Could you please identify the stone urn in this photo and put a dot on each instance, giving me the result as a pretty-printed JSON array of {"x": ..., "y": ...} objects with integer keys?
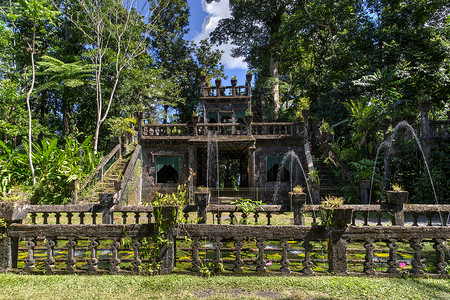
[
  {"x": 167, "y": 213},
  {"x": 195, "y": 119},
  {"x": 297, "y": 198},
  {"x": 233, "y": 82},
  {"x": 218, "y": 82},
  {"x": 202, "y": 198},
  {"x": 396, "y": 199},
  {"x": 337, "y": 217},
  {"x": 248, "y": 119},
  {"x": 249, "y": 77}
]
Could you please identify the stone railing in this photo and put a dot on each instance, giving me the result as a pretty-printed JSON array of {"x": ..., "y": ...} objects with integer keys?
[
  {"x": 66, "y": 247},
  {"x": 236, "y": 92},
  {"x": 220, "y": 129},
  {"x": 440, "y": 129}
]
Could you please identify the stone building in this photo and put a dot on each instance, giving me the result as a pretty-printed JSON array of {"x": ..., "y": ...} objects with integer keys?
[{"x": 224, "y": 149}]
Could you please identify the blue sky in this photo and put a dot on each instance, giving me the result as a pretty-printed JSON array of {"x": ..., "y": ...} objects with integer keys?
[{"x": 203, "y": 19}]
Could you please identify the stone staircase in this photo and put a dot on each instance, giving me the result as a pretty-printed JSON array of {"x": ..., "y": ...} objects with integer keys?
[
  {"x": 329, "y": 182},
  {"x": 109, "y": 182}
]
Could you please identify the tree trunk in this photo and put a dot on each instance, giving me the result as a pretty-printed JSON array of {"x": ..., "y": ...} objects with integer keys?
[
  {"x": 30, "y": 149},
  {"x": 65, "y": 113},
  {"x": 274, "y": 75}
]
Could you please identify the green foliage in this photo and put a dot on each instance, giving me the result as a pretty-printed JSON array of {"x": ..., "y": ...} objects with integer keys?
[
  {"x": 247, "y": 206},
  {"x": 56, "y": 169},
  {"x": 327, "y": 207}
]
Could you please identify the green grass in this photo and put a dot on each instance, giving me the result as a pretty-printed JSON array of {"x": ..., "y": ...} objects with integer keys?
[{"x": 66, "y": 287}]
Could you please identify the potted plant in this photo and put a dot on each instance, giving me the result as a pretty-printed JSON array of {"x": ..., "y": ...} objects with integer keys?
[
  {"x": 397, "y": 196},
  {"x": 233, "y": 81},
  {"x": 218, "y": 82},
  {"x": 298, "y": 195},
  {"x": 333, "y": 212},
  {"x": 327, "y": 131},
  {"x": 202, "y": 196},
  {"x": 249, "y": 76}
]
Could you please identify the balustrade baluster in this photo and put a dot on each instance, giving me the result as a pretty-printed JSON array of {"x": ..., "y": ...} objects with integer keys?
[
  {"x": 196, "y": 261},
  {"x": 416, "y": 262},
  {"x": 33, "y": 218},
  {"x": 124, "y": 217},
  {"x": 260, "y": 262},
  {"x": 379, "y": 218},
  {"x": 244, "y": 218},
  {"x": 238, "y": 262},
  {"x": 285, "y": 263},
  {"x": 269, "y": 216},
  {"x": 94, "y": 217},
  {"x": 136, "y": 217},
  {"x": 219, "y": 218},
  {"x": 149, "y": 217},
  {"x": 29, "y": 262},
  {"x": 69, "y": 217},
  {"x": 307, "y": 263},
  {"x": 71, "y": 260},
  {"x": 441, "y": 264},
  {"x": 366, "y": 218},
  {"x": 81, "y": 216},
  {"x": 136, "y": 259},
  {"x": 369, "y": 266},
  {"x": 444, "y": 217},
  {"x": 50, "y": 261},
  {"x": 217, "y": 247},
  {"x": 256, "y": 217},
  {"x": 232, "y": 218},
  {"x": 354, "y": 218},
  {"x": 415, "y": 216},
  {"x": 392, "y": 262},
  {"x": 430, "y": 217},
  {"x": 45, "y": 216},
  {"x": 93, "y": 261},
  {"x": 58, "y": 217},
  {"x": 115, "y": 260}
]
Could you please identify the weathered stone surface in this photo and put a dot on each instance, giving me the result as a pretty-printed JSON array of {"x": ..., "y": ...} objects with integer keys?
[{"x": 11, "y": 211}]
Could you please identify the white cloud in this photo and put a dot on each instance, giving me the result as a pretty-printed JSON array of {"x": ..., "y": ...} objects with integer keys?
[{"x": 217, "y": 11}]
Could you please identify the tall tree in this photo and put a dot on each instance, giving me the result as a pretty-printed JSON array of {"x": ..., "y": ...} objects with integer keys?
[
  {"x": 252, "y": 28},
  {"x": 116, "y": 29},
  {"x": 37, "y": 12}
]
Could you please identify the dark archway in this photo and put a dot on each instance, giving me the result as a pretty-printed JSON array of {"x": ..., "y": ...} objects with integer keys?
[
  {"x": 167, "y": 174},
  {"x": 272, "y": 174}
]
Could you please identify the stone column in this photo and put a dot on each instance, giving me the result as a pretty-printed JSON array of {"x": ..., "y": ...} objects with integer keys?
[
  {"x": 297, "y": 201},
  {"x": 202, "y": 201},
  {"x": 107, "y": 202},
  {"x": 139, "y": 117},
  {"x": 10, "y": 213},
  {"x": 251, "y": 166},
  {"x": 337, "y": 246},
  {"x": 364, "y": 187},
  {"x": 424, "y": 109},
  {"x": 395, "y": 201},
  {"x": 167, "y": 249},
  {"x": 192, "y": 167},
  {"x": 387, "y": 170}
]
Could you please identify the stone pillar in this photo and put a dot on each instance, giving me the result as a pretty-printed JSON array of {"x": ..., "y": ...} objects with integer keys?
[
  {"x": 297, "y": 202},
  {"x": 107, "y": 201},
  {"x": 251, "y": 166},
  {"x": 364, "y": 187},
  {"x": 139, "y": 117},
  {"x": 395, "y": 201},
  {"x": 10, "y": 213},
  {"x": 202, "y": 201},
  {"x": 337, "y": 246},
  {"x": 167, "y": 249},
  {"x": 387, "y": 170},
  {"x": 192, "y": 167},
  {"x": 424, "y": 109}
]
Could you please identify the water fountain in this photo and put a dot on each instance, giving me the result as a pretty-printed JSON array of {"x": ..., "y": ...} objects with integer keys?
[
  {"x": 388, "y": 144},
  {"x": 294, "y": 157}
]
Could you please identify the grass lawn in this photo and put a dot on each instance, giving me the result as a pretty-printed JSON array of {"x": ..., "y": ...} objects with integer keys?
[{"x": 66, "y": 287}]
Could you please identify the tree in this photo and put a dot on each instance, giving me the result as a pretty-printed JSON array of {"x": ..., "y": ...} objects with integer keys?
[
  {"x": 253, "y": 28},
  {"x": 114, "y": 29},
  {"x": 37, "y": 12}
]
